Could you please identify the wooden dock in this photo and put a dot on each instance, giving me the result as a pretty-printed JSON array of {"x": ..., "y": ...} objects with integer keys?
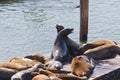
[{"x": 106, "y": 70}]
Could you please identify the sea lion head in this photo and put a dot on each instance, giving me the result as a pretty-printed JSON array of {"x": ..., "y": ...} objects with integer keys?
[
  {"x": 66, "y": 32},
  {"x": 59, "y": 28},
  {"x": 82, "y": 66},
  {"x": 54, "y": 65},
  {"x": 63, "y": 31}
]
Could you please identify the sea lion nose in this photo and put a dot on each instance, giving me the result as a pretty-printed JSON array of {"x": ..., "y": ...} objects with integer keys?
[{"x": 82, "y": 74}]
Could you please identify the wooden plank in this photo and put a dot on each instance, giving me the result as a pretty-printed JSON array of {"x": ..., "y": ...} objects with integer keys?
[
  {"x": 107, "y": 69},
  {"x": 113, "y": 75},
  {"x": 84, "y": 6}
]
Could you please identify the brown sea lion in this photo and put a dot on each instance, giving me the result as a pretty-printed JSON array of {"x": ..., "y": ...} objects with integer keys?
[
  {"x": 55, "y": 65},
  {"x": 82, "y": 66},
  {"x": 11, "y": 65},
  {"x": 41, "y": 77},
  {"x": 95, "y": 44},
  {"x": 24, "y": 61},
  {"x": 54, "y": 78},
  {"x": 6, "y": 73},
  {"x": 46, "y": 72},
  {"x": 27, "y": 74},
  {"x": 70, "y": 77},
  {"x": 59, "y": 75},
  {"x": 103, "y": 52},
  {"x": 37, "y": 57}
]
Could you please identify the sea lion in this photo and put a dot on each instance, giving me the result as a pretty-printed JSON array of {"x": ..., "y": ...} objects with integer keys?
[
  {"x": 41, "y": 77},
  {"x": 76, "y": 50},
  {"x": 15, "y": 66},
  {"x": 94, "y": 44},
  {"x": 37, "y": 57},
  {"x": 70, "y": 77},
  {"x": 82, "y": 66},
  {"x": 46, "y": 72},
  {"x": 103, "y": 52},
  {"x": 59, "y": 28},
  {"x": 54, "y": 65},
  {"x": 60, "y": 50},
  {"x": 24, "y": 61},
  {"x": 6, "y": 73},
  {"x": 26, "y": 74},
  {"x": 72, "y": 46},
  {"x": 59, "y": 75}
]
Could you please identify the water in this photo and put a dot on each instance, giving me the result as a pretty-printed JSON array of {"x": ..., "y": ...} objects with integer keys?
[{"x": 27, "y": 26}]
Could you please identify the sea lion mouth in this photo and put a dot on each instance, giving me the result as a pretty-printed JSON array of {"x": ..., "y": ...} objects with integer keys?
[{"x": 72, "y": 31}]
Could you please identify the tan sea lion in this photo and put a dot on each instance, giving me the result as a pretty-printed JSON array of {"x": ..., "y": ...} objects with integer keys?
[
  {"x": 11, "y": 65},
  {"x": 27, "y": 74},
  {"x": 103, "y": 52},
  {"x": 70, "y": 77},
  {"x": 95, "y": 44},
  {"x": 37, "y": 57},
  {"x": 46, "y": 72},
  {"x": 59, "y": 75},
  {"x": 82, "y": 66},
  {"x": 24, "y": 61},
  {"x": 41, "y": 77},
  {"x": 55, "y": 65}
]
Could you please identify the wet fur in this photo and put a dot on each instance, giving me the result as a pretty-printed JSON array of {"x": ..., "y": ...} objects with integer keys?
[
  {"x": 95, "y": 44},
  {"x": 82, "y": 66},
  {"x": 60, "y": 50},
  {"x": 71, "y": 45}
]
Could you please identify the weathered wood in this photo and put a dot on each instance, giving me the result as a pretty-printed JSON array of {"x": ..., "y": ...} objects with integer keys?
[
  {"x": 84, "y": 7},
  {"x": 113, "y": 75},
  {"x": 106, "y": 70}
]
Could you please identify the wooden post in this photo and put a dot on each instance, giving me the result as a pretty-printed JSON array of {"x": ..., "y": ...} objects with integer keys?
[{"x": 84, "y": 7}]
